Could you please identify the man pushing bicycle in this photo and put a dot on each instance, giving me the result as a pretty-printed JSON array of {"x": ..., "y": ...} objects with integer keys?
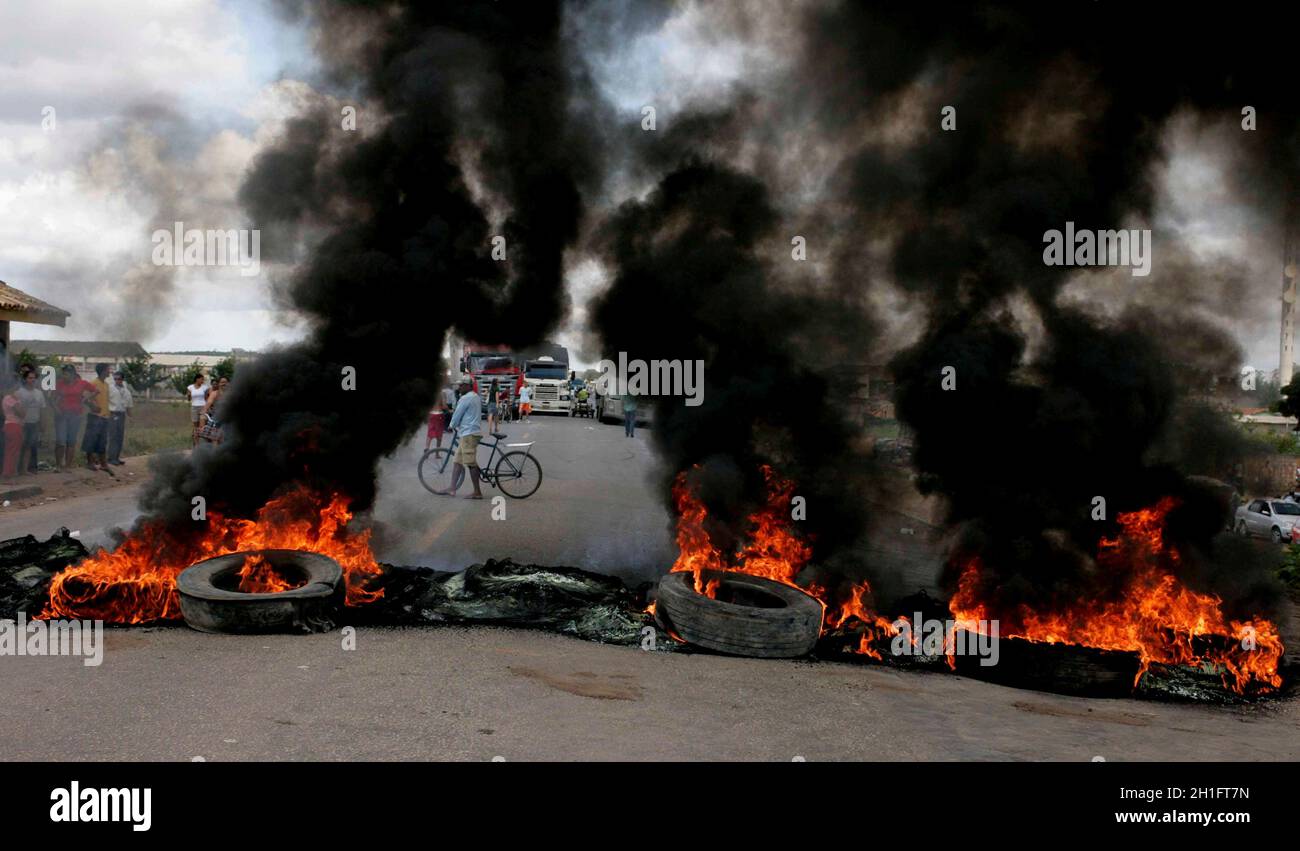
[{"x": 465, "y": 423}]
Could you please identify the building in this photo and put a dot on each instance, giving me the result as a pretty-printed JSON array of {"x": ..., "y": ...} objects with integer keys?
[
  {"x": 82, "y": 354},
  {"x": 85, "y": 354},
  {"x": 1266, "y": 423},
  {"x": 18, "y": 306}
]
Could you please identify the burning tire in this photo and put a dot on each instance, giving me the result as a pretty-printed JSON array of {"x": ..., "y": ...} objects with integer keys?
[
  {"x": 750, "y": 617},
  {"x": 1059, "y": 668},
  {"x": 211, "y": 601}
]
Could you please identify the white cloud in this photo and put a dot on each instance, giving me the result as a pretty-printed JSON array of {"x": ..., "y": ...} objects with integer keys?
[{"x": 159, "y": 108}]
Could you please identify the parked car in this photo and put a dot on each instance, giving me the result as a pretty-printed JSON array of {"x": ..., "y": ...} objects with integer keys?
[{"x": 1269, "y": 518}]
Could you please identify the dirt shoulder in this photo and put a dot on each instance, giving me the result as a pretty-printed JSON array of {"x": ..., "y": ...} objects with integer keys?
[{"x": 50, "y": 486}]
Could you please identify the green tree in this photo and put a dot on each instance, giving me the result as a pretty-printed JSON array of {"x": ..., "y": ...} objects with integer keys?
[
  {"x": 223, "y": 369},
  {"x": 26, "y": 359},
  {"x": 1289, "y": 405},
  {"x": 141, "y": 374}
]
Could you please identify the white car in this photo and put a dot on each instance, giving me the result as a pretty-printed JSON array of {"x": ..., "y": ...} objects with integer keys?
[
  {"x": 1269, "y": 518},
  {"x": 609, "y": 408}
]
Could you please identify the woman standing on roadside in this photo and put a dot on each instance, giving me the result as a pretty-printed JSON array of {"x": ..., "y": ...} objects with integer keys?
[
  {"x": 70, "y": 393},
  {"x": 198, "y": 394},
  {"x": 13, "y": 413},
  {"x": 209, "y": 425}
]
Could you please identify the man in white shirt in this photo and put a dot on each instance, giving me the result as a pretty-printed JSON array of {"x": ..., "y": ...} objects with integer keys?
[
  {"x": 119, "y": 405},
  {"x": 465, "y": 422}
]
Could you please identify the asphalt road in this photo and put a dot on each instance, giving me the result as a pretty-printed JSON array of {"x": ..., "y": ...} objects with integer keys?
[
  {"x": 474, "y": 694},
  {"x": 597, "y": 508},
  {"x": 92, "y": 516}
]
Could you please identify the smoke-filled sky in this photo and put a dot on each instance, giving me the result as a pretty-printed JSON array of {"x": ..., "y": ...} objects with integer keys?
[{"x": 161, "y": 107}]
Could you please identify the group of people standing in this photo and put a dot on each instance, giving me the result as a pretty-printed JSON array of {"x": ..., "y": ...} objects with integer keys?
[
  {"x": 103, "y": 404},
  {"x": 203, "y": 408}
]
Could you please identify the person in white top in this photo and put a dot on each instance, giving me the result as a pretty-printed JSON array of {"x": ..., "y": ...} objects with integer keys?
[
  {"x": 119, "y": 406},
  {"x": 525, "y": 402},
  {"x": 198, "y": 400}
]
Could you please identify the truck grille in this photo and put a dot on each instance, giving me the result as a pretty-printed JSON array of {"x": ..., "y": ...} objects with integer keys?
[{"x": 546, "y": 392}]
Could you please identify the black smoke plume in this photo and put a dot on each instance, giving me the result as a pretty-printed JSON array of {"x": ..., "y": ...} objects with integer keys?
[
  {"x": 463, "y": 133},
  {"x": 698, "y": 275},
  {"x": 1057, "y": 119}
]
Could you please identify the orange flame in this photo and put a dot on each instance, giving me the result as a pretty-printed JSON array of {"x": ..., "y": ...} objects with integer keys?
[
  {"x": 136, "y": 583},
  {"x": 857, "y": 605},
  {"x": 772, "y": 550},
  {"x": 259, "y": 576},
  {"x": 1156, "y": 616}
]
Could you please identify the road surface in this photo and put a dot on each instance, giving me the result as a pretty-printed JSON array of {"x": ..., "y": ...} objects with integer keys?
[
  {"x": 455, "y": 693},
  {"x": 598, "y": 508},
  {"x": 169, "y": 693}
]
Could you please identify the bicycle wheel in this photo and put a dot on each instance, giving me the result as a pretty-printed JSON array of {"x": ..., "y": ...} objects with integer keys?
[
  {"x": 518, "y": 475},
  {"x": 437, "y": 469}
]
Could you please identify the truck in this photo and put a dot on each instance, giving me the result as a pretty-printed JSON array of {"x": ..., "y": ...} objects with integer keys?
[
  {"x": 484, "y": 363},
  {"x": 549, "y": 381}
]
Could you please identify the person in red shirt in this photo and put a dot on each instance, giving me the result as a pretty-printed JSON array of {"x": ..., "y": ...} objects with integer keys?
[{"x": 70, "y": 393}]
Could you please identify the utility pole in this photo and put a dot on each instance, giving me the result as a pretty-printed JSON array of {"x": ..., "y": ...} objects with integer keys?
[{"x": 1289, "y": 274}]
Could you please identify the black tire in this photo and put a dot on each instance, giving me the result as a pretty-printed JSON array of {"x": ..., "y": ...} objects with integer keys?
[
  {"x": 209, "y": 603},
  {"x": 434, "y": 475},
  {"x": 527, "y": 483},
  {"x": 1277, "y": 535},
  {"x": 770, "y": 621},
  {"x": 1057, "y": 668}
]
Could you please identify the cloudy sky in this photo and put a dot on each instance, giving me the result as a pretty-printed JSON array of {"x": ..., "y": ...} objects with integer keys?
[{"x": 158, "y": 107}]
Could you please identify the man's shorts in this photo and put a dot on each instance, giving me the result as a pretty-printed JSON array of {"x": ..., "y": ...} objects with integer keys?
[
  {"x": 467, "y": 450},
  {"x": 66, "y": 427},
  {"x": 96, "y": 439}
]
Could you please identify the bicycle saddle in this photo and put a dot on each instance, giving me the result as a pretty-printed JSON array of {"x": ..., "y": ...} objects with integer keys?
[{"x": 498, "y": 435}]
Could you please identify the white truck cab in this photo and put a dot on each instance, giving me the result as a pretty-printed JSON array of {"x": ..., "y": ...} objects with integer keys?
[{"x": 549, "y": 381}]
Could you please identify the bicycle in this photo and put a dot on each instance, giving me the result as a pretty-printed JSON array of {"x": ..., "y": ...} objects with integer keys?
[{"x": 517, "y": 473}]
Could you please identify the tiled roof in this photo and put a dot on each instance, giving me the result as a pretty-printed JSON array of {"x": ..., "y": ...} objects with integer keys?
[{"x": 41, "y": 312}]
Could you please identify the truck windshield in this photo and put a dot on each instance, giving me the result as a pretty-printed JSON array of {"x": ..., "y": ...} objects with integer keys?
[
  {"x": 479, "y": 361},
  {"x": 547, "y": 371}
]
